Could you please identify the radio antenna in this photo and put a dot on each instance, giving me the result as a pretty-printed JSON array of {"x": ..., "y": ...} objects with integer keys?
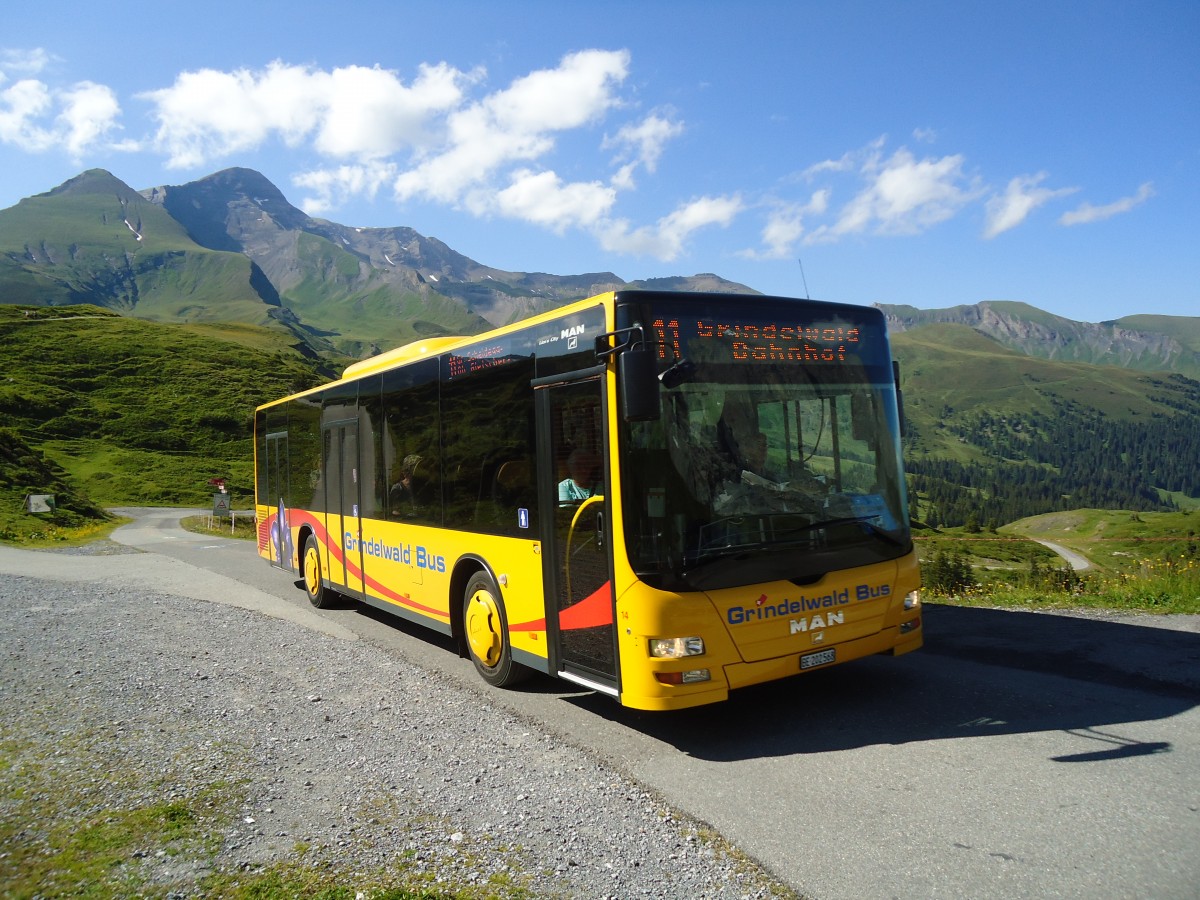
[{"x": 802, "y": 278}]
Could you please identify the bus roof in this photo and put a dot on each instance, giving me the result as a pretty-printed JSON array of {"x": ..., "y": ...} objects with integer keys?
[{"x": 407, "y": 353}]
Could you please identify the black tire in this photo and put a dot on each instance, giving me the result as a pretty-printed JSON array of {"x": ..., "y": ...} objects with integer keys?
[
  {"x": 313, "y": 574},
  {"x": 485, "y": 628}
]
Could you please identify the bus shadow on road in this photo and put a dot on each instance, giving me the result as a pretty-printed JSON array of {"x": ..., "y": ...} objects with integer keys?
[{"x": 981, "y": 672}]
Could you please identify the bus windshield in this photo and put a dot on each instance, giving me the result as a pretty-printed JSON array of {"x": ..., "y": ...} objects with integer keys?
[{"x": 776, "y": 455}]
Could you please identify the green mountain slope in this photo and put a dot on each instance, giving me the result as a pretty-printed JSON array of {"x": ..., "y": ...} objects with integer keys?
[
  {"x": 1184, "y": 329},
  {"x": 24, "y": 471},
  {"x": 94, "y": 239},
  {"x": 137, "y": 411},
  {"x": 994, "y": 436}
]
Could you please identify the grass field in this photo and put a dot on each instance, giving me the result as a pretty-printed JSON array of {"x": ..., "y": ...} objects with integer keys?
[{"x": 1138, "y": 562}]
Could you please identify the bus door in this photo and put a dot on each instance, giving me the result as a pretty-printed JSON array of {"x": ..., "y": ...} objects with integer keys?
[
  {"x": 576, "y": 532},
  {"x": 342, "y": 505},
  {"x": 275, "y": 466}
]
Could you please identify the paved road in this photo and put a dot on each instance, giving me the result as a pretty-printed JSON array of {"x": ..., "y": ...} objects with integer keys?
[
  {"x": 1018, "y": 755},
  {"x": 1076, "y": 561}
]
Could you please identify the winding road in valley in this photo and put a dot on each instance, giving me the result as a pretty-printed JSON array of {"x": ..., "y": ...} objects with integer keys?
[{"x": 1076, "y": 561}]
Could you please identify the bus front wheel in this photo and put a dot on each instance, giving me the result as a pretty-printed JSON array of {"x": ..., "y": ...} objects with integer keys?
[
  {"x": 314, "y": 582},
  {"x": 486, "y": 628}
]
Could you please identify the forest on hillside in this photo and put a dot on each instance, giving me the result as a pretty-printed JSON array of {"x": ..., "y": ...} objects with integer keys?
[{"x": 1076, "y": 457}]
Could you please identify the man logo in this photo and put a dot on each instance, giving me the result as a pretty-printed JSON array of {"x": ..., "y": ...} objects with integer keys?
[{"x": 817, "y": 623}]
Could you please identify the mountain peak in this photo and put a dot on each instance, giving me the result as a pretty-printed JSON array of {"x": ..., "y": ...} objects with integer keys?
[
  {"x": 205, "y": 206},
  {"x": 244, "y": 182},
  {"x": 92, "y": 181}
]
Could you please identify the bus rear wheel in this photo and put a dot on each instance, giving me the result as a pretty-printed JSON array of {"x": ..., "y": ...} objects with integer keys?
[
  {"x": 486, "y": 627},
  {"x": 314, "y": 582}
]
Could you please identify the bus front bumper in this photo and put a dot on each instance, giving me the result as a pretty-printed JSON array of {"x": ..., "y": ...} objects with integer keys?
[{"x": 745, "y": 674}]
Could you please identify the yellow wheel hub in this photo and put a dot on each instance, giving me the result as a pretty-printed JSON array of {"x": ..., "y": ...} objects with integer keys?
[
  {"x": 483, "y": 628},
  {"x": 312, "y": 571}
]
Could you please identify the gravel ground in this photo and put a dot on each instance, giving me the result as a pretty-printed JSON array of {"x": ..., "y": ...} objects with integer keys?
[{"x": 125, "y": 697}]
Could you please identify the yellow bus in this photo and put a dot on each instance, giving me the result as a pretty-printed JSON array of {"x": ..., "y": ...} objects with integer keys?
[{"x": 659, "y": 496}]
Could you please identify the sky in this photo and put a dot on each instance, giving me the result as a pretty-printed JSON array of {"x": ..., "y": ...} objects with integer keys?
[{"x": 925, "y": 153}]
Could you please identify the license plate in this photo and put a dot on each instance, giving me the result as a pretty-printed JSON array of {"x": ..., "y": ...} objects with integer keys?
[{"x": 819, "y": 658}]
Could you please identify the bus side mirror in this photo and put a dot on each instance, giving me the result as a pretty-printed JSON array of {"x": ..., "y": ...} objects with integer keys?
[
  {"x": 899, "y": 398},
  {"x": 638, "y": 384}
]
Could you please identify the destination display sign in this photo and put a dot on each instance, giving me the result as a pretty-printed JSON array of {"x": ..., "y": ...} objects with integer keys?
[
  {"x": 729, "y": 340},
  {"x": 566, "y": 336},
  {"x": 472, "y": 359}
]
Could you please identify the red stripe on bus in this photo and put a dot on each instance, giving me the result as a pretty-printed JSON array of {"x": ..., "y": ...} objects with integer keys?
[
  {"x": 335, "y": 551},
  {"x": 590, "y": 612},
  {"x": 536, "y": 625}
]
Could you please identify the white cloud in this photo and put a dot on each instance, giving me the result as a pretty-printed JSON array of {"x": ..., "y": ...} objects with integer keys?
[
  {"x": 1020, "y": 198},
  {"x": 622, "y": 179},
  {"x": 646, "y": 140},
  {"x": 476, "y": 150},
  {"x": 371, "y": 114},
  {"x": 36, "y": 118},
  {"x": 903, "y": 196},
  {"x": 23, "y": 62},
  {"x": 515, "y": 125},
  {"x": 90, "y": 113},
  {"x": 427, "y": 140},
  {"x": 701, "y": 213},
  {"x": 352, "y": 112},
  {"x": 667, "y": 240},
  {"x": 543, "y": 199},
  {"x": 575, "y": 93},
  {"x": 848, "y": 162},
  {"x": 208, "y": 114},
  {"x": 332, "y": 187},
  {"x": 1087, "y": 213},
  {"x": 785, "y": 226},
  {"x": 20, "y": 108}
]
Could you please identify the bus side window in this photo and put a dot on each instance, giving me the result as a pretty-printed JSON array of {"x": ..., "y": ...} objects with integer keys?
[
  {"x": 487, "y": 439},
  {"x": 512, "y": 482},
  {"x": 411, "y": 464}
]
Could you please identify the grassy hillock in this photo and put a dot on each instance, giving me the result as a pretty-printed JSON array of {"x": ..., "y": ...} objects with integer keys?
[
  {"x": 24, "y": 471},
  {"x": 1138, "y": 561},
  {"x": 137, "y": 412},
  {"x": 1118, "y": 542}
]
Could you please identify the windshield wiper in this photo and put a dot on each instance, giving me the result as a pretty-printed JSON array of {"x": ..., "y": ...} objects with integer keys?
[
  {"x": 780, "y": 540},
  {"x": 865, "y": 523},
  {"x": 677, "y": 374}
]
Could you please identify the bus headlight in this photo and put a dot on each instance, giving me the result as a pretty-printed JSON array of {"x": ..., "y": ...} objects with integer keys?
[
  {"x": 676, "y": 648},
  {"x": 912, "y": 600}
]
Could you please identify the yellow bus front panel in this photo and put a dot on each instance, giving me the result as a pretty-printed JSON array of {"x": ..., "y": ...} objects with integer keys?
[{"x": 762, "y": 633}]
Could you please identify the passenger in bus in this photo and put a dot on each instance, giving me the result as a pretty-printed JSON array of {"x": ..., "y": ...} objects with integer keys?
[
  {"x": 583, "y": 476},
  {"x": 402, "y": 497},
  {"x": 739, "y": 441},
  {"x": 745, "y": 447}
]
